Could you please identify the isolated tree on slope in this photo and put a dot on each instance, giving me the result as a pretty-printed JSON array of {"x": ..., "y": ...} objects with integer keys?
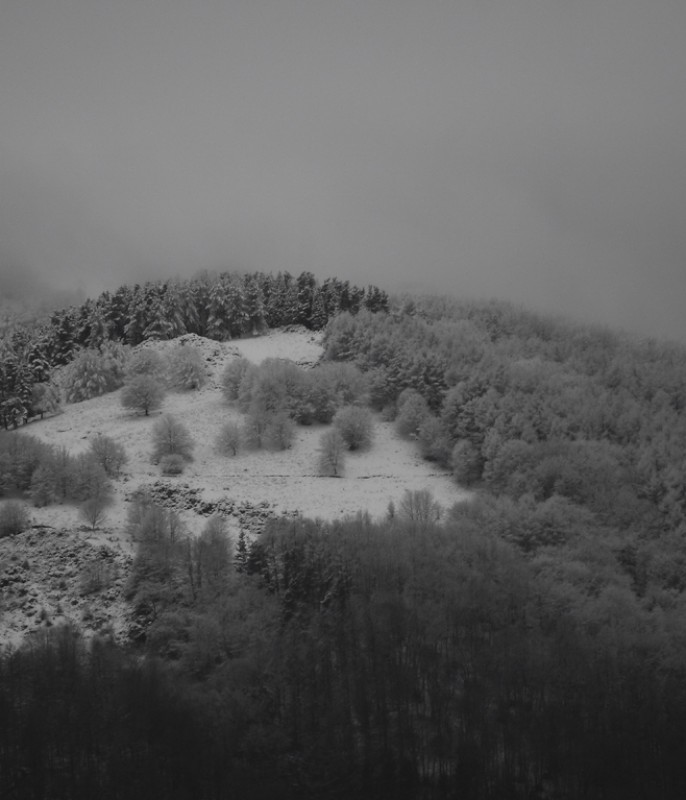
[
  {"x": 171, "y": 437},
  {"x": 45, "y": 398},
  {"x": 355, "y": 425},
  {"x": 186, "y": 368},
  {"x": 331, "y": 454},
  {"x": 109, "y": 454},
  {"x": 143, "y": 393}
]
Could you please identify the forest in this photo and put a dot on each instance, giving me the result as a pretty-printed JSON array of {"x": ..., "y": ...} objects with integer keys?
[{"x": 527, "y": 643}]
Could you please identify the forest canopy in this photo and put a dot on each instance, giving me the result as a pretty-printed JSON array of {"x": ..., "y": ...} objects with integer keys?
[{"x": 525, "y": 643}]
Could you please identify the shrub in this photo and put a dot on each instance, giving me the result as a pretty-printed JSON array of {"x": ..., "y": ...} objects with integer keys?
[
  {"x": 171, "y": 437},
  {"x": 186, "y": 368},
  {"x": 109, "y": 454},
  {"x": 172, "y": 464},
  {"x": 143, "y": 393},
  {"x": 14, "y": 518},
  {"x": 355, "y": 425},
  {"x": 331, "y": 454},
  {"x": 229, "y": 440}
]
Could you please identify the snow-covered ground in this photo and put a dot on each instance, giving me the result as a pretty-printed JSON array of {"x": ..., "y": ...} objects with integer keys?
[{"x": 286, "y": 481}]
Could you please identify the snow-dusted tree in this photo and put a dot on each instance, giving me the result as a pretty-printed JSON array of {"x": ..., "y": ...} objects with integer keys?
[
  {"x": 355, "y": 425},
  {"x": 255, "y": 322},
  {"x": 137, "y": 316},
  {"x": 218, "y": 321},
  {"x": 279, "y": 432},
  {"x": 90, "y": 479},
  {"x": 332, "y": 449},
  {"x": 143, "y": 393},
  {"x": 171, "y": 437},
  {"x": 412, "y": 411},
  {"x": 45, "y": 398},
  {"x": 94, "y": 511},
  {"x": 318, "y": 316},
  {"x": 306, "y": 285},
  {"x": 186, "y": 368},
  {"x": 235, "y": 309},
  {"x": 172, "y": 309},
  {"x": 229, "y": 439},
  {"x": 255, "y": 428},
  {"x": 85, "y": 377},
  {"x": 94, "y": 372},
  {"x": 232, "y": 376},
  {"x": 109, "y": 454},
  {"x": 145, "y": 361},
  {"x": 159, "y": 326},
  {"x": 98, "y": 326}
]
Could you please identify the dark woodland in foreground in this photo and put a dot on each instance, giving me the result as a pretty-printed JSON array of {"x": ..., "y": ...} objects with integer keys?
[{"x": 527, "y": 644}]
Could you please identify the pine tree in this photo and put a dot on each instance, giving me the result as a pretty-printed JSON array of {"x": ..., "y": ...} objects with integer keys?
[
  {"x": 235, "y": 309},
  {"x": 318, "y": 318},
  {"x": 254, "y": 306},
  {"x": 306, "y": 285},
  {"x": 159, "y": 327},
  {"x": 218, "y": 315},
  {"x": 137, "y": 318}
]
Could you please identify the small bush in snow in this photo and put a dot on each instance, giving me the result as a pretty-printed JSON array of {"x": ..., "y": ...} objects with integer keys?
[{"x": 172, "y": 465}]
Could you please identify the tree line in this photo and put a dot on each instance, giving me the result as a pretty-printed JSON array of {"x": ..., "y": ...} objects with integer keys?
[
  {"x": 408, "y": 658},
  {"x": 217, "y": 306}
]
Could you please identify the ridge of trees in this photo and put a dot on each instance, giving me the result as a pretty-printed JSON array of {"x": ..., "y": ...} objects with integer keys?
[{"x": 217, "y": 306}]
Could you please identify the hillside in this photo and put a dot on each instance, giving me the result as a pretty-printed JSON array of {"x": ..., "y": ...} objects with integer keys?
[
  {"x": 526, "y": 642},
  {"x": 247, "y": 488}
]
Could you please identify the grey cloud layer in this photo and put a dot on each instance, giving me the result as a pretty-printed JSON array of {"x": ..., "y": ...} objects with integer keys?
[{"x": 520, "y": 149}]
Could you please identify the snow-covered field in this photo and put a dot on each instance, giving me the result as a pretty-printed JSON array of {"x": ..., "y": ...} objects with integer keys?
[{"x": 286, "y": 481}]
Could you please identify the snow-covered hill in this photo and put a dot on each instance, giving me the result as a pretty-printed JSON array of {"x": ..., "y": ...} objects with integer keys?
[{"x": 249, "y": 486}]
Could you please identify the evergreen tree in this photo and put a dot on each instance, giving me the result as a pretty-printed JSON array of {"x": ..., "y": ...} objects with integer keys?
[
  {"x": 218, "y": 315},
  {"x": 306, "y": 286},
  {"x": 254, "y": 306},
  {"x": 236, "y": 310}
]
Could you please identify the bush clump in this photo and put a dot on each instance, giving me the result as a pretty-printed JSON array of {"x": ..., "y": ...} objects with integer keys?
[
  {"x": 355, "y": 425},
  {"x": 14, "y": 518},
  {"x": 172, "y": 464}
]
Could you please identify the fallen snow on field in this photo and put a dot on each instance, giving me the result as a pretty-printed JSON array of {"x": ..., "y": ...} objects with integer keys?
[{"x": 286, "y": 481}]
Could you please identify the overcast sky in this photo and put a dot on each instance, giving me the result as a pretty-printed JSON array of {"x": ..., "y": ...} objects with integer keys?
[{"x": 533, "y": 150}]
